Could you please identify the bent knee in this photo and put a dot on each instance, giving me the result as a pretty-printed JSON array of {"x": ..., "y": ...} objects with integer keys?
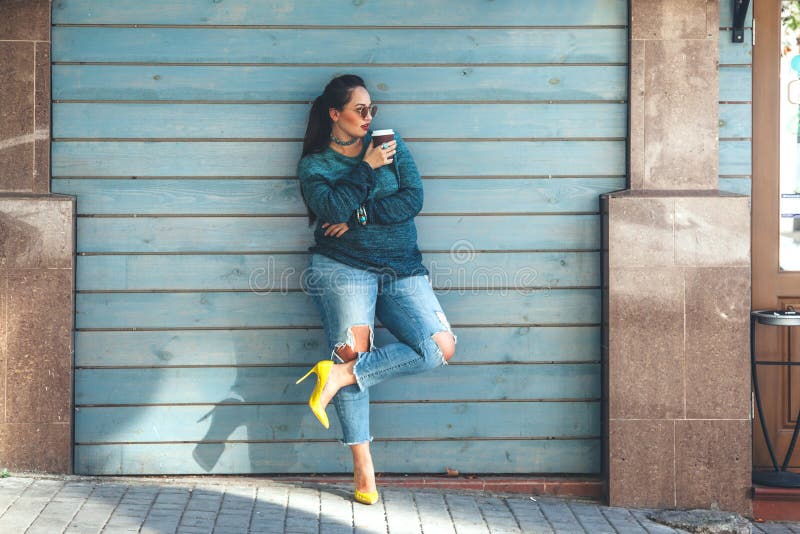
[
  {"x": 359, "y": 340},
  {"x": 447, "y": 344}
]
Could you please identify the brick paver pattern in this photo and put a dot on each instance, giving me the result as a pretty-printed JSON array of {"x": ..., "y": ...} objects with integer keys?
[{"x": 47, "y": 506}]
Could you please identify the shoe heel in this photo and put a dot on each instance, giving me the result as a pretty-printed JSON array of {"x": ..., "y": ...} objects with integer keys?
[{"x": 313, "y": 370}]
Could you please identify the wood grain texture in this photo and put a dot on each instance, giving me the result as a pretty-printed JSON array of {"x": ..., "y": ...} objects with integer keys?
[
  {"x": 495, "y": 456},
  {"x": 735, "y": 157},
  {"x": 277, "y": 384},
  {"x": 282, "y": 197},
  {"x": 735, "y": 84},
  {"x": 271, "y": 422},
  {"x": 304, "y": 83},
  {"x": 296, "y": 309},
  {"x": 283, "y": 346},
  {"x": 165, "y": 120},
  {"x": 275, "y": 272},
  {"x": 258, "y": 158},
  {"x": 324, "y": 13},
  {"x": 340, "y": 46},
  {"x": 291, "y": 234},
  {"x": 735, "y": 121}
]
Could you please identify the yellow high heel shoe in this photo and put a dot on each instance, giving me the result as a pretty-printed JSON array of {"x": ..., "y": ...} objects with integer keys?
[
  {"x": 366, "y": 497},
  {"x": 322, "y": 370}
]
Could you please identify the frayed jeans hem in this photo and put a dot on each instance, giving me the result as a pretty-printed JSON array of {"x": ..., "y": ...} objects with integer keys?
[{"x": 343, "y": 442}]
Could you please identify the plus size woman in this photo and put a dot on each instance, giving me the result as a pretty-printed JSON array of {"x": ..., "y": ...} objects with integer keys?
[{"x": 365, "y": 263}]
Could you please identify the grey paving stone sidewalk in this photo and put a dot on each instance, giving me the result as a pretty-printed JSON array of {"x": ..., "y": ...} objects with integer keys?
[{"x": 235, "y": 506}]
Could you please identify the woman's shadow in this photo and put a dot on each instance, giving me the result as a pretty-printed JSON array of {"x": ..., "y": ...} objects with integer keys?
[{"x": 261, "y": 398}]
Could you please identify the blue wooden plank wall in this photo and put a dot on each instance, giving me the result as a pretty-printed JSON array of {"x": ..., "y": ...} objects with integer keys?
[
  {"x": 177, "y": 125},
  {"x": 735, "y": 106}
]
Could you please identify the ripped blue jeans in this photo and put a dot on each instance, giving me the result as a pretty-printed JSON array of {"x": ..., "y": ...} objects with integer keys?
[{"x": 347, "y": 296}]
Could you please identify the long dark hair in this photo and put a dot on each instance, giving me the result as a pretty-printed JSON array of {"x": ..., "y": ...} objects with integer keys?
[
  {"x": 318, "y": 132},
  {"x": 336, "y": 95}
]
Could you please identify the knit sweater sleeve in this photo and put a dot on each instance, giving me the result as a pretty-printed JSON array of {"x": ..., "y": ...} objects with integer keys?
[
  {"x": 334, "y": 202},
  {"x": 407, "y": 201}
]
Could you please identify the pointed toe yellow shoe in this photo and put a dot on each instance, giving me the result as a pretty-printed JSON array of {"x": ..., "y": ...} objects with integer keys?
[
  {"x": 366, "y": 497},
  {"x": 322, "y": 369}
]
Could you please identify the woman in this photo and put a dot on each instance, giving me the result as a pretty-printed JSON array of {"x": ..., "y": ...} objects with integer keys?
[{"x": 365, "y": 262}]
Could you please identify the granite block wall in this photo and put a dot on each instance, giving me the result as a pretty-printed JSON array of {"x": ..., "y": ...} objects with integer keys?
[
  {"x": 37, "y": 255},
  {"x": 676, "y": 280}
]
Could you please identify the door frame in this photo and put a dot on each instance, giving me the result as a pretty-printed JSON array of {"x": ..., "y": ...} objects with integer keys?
[{"x": 771, "y": 288}]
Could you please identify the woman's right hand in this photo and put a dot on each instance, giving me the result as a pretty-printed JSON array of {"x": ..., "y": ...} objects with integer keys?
[{"x": 375, "y": 156}]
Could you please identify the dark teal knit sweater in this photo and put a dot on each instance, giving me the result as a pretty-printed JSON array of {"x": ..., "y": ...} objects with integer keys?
[{"x": 334, "y": 186}]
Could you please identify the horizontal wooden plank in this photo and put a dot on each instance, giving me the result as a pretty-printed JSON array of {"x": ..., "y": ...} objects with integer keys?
[
  {"x": 291, "y": 422},
  {"x": 324, "y": 13},
  {"x": 277, "y": 384},
  {"x": 735, "y": 84},
  {"x": 495, "y": 456},
  {"x": 735, "y": 120},
  {"x": 735, "y": 157},
  {"x": 480, "y": 270},
  {"x": 736, "y": 185},
  {"x": 735, "y": 53},
  {"x": 510, "y": 158},
  {"x": 262, "y": 197},
  {"x": 274, "y": 121},
  {"x": 523, "y": 344},
  {"x": 344, "y": 45},
  {"x": 304, "y": 83},
  {"x": 250, "y": 309},
  {"x": 292, "y": 234}
]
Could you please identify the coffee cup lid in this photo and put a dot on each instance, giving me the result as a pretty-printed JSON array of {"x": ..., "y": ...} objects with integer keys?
[{"x": 382, "y": 132}]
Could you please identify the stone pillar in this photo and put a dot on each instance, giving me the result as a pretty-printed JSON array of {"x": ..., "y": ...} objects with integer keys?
[
  {"x": 676, "y": 259},
  {"x": 37, "y": 255}
]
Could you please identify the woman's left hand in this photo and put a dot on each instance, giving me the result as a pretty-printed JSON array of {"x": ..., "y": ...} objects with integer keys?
[{"x": 336, "y": 230}]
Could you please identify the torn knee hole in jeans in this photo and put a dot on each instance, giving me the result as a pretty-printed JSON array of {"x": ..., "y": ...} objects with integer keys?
[
  {"x": 443, "y": 320},
  {"x": 349, "y": 345}
]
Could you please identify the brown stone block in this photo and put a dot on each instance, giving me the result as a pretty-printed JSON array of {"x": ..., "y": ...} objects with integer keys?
[
  {"x": 16, "y": 91},
  {"x": 39, "y": 447},
  {"x": 641, "y": 463},
  {"x": 717, "y": 343},
  {"x": 636, "y": 122},
  {"x": 39, "y": 318},
  {"x": 645, "y": 360},
  {"x": 37, "y": 232},
  {"x": 712, "y": 20},
  {"x": 25, "y": 20},
  {"x": 16, "y": 161},
  {"x": 675, "y": 19},
  {"x": 42, "y": 94},
  {"x": 641, "y": 232},
  {"x": 713, "y": 464},
  {"x": 38, "y": 391},
  {"x": 39, "y": 358},
  {"x": 41, "y": 171},
  {"x": 712, "y": 231},
  {"x": 681, "y": 114},
  {"x": 3, "y": 336}
]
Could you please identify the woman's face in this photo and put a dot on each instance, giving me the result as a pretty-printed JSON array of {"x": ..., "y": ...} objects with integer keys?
[{"x": 348, "y": 123}]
